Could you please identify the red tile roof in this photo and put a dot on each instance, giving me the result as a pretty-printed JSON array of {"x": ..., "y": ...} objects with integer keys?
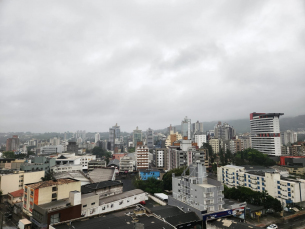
[{"x": 17, "y": 193}]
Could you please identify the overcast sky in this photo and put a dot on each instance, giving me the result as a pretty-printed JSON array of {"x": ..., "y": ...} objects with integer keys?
[{"x": 86, "y": 65}]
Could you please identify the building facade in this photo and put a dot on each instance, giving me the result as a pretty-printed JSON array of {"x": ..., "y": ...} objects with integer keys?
[
  {"x": 265, "y": 133},
  {"x": 136, "y": 136},
  {"x": 196, "y": 192},
  {"x": 150, "y": 138},
  {"x": 12, "y": 144},
  {"x": 286, "y": 190},
  {"x": 186, "y": 128},
  {"x": 142, "y": 157}
]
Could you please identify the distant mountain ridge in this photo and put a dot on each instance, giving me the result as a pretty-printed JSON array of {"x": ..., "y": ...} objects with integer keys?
[{"x": 243, "y": 125}]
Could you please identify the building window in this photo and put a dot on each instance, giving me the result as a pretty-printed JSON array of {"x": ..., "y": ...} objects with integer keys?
[
  {"x": 84, "y": 205},
  {"x": 54, "y": 189},
  {"x": 55, "y": 218},
  {"x": 93, "y": 203}
]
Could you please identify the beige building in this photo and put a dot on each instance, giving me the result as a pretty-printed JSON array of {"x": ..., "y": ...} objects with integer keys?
[
  {"x": 15, "y": 181},
  {"x": 171, "y": 138},
  {"x": 47, "y": 191},
  {"x": 215, "y": 145}
]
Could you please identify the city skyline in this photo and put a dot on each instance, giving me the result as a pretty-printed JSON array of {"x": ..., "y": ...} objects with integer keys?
[{"x": 88, "y": 65}]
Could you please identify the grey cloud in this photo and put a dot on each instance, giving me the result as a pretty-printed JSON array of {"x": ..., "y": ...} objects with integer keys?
[{"x": 67, "y": 65}]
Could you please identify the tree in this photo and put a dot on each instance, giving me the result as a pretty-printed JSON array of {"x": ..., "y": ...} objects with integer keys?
[
  {"x": 167, "y": 177},
  {"x": 131, "y": 149},
  {"x": 222, "y": 157},
  {"x": 49, "y": 175},
  {"x": 151, "y": 185},
  {"x": 8, "y": 154},
  {"x": 210, "y": 151}
]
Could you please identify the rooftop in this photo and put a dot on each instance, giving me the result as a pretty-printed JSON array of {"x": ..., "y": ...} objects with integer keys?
[
  {"x": 120, "y": 196},
  {"x": 17, "y": 193},
  {"x": 55, "y": 205},
  {"x": 99, "y": 174},
  {"x": 88, "y": 188},
  {"x": 228, "y": 223},
  {"x": 48, "y": 183},
  {"x": 116, "y": 220}
]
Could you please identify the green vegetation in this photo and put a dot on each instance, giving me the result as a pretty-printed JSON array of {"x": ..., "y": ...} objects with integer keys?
[
  {"x": 12, "y": 155},
  {"x": 131, "y": 149},
  {"x": 167, "y": 177},
  {"x": 212, "y": 156},
  {"x": 99, "y": 152},
  {"x": 151, "y": 185},
  {"x": 252, "y": 157},
  {"x": 49, "y": 175},
  {"x": 252, "y": 197}
]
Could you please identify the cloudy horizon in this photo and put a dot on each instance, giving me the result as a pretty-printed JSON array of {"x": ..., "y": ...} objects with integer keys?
[{"x": 87, "y": 65}]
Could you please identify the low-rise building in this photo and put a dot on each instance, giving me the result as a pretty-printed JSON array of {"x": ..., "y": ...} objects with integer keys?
[
  {"x": 11, "y": 181},
  {"x": 45, "y": 150},
  {"x": 15, "y": 197},
  {"x": 286, "y": 190},
  {"x": 57, "y": 211},
  {"x": 66, "y": 168},
  {"x": 145, "y": 174},
  {"x": 38, "y": 164},
  {"x": 47, "y": 191},
  {"x": 93, "y": 205},
  {"x": 103, "y": 189},
  {"x": 98, "y": 163},
  {"x": 126, "y": 164}
]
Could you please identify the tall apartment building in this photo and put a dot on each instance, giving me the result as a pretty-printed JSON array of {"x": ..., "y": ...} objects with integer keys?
[
  {"x": 150, "y": 138},
  {"x": 200, "y": 139},
  {"x": 186, "y": 128},
  {"x": 286, "y": 190},
  {"x": 142, "y": 157},
  {"x": 215, "y": 145},
  {"x": 197, "y": 127},
  {"x": 47, "y": 191},
  {"x": 80, "y": 134},
  {"x": 160, "y": 158},
  {"x": 224, "y": 131},
  {"x": 114, "y": 134},
  {"x": 55, "y": 141},
  {"x": 12, "y": 144},
  {"x": 265, "y": 133},
  {"x": 170, "y": 128},
  {"x": 289, "y": 136},
  {"x": 72, "y": 147},
  {"x": 136, "y": 136},
  {"x": 97, "y": 137},
  {"x": 196, "y": 192}
]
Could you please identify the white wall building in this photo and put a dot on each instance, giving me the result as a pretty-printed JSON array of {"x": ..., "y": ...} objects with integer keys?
[
  {"x": 284, "y": 189},
  {"x": 200, "y": 139},
  {"x": 97, "y": 137},
  {"x": 51, "y": 149},
  {"x": 265, "y": 133},
  {"x": 93, "y": 205},
  {"x": 142, "y": 157}
]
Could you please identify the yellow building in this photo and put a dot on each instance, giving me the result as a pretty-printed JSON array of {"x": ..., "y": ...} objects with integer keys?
[
  {"x": 47, "y": 191},
  {"x": 171, "y": 138},
  {"x": 214, "y": 144},
  {"x": 11, "y": 182}
]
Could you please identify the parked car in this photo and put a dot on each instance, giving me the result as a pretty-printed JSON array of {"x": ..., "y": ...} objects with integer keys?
[{"x": 272, "y": 226}]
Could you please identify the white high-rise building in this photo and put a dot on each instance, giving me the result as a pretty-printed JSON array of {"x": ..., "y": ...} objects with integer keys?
[
  {"x": 97, "y": 137},
  {"x": 200, "y": 139},
  {"x": 289, "y": 136},
  {"x": 265, "y": 132}
]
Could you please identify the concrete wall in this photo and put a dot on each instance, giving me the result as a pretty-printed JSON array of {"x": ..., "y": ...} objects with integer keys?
[
  {"x": 64, "y": 189},
  {"x": 115, "y": 205}
]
